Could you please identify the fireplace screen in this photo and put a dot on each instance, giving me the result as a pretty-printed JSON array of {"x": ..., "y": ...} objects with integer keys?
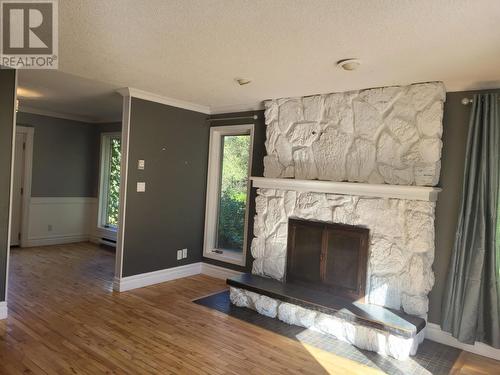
[{"x": 332, "y": 257}]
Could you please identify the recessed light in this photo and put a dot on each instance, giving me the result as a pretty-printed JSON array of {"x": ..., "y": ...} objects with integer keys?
[
  {"x": 349, "y": 64},
  {"x": 243, "y": 81},
  {"x": 27, "y": 93}
]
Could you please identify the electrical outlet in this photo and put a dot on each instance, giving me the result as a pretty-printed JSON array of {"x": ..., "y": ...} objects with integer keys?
[
  {"x": 141, "y": 164},
  {"x": 184, "y": 253},
  {"x": 179, "y": 254}
]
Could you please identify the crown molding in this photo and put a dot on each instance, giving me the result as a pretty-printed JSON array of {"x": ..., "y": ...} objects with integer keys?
[
  {"x": 140, "y": 94},
  {"x": 65, "y": 116}
]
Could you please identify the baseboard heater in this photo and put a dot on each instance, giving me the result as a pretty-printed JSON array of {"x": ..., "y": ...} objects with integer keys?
[{"x": 107, "y": 241}]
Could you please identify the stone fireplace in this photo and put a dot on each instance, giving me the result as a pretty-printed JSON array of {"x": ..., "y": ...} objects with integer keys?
[{"x": 364, "y": 161}]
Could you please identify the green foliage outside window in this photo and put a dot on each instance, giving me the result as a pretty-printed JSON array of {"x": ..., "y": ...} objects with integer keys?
[
  {"x": 114, "y": 183},
  {"x": 233, "y": 194}
]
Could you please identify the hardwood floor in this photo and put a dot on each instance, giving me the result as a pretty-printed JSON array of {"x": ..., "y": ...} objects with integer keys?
[
  {"x": 473, "y": 364},
  {"x": 64, "y": 318}
]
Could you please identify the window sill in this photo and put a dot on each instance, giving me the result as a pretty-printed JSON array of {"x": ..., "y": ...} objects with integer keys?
[
  {"x": 109, "y": 229},
  {"x": 227, "y": 256}
]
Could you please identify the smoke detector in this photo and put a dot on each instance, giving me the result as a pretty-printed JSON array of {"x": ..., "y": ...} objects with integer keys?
[
  {"x": 349, "y": 64},
  {"x": 243, "y": 81}
]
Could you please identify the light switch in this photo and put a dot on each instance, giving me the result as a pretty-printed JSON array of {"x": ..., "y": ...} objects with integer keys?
[
  {"x": 141, "y": 187},
  {"x": 179, "y": 254},
  {"x": 141, "y": 164}
]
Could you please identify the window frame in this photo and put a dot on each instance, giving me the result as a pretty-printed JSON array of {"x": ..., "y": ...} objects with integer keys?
[
  {"x": 104, "y": 179},
  {"x": 213, "y": 193}
]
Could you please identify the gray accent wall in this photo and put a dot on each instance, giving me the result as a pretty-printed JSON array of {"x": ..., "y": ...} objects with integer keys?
[
  {"x": 109, "y": 127},
  {"x": 7, "y": 97},
  {"x": 169, "y": 216},
  {"x": 65, "y": 155},
  {"x": 455, "y": 128}
]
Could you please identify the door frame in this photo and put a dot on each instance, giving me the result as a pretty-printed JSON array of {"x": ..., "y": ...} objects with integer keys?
[{"x": 26, "y": 186}]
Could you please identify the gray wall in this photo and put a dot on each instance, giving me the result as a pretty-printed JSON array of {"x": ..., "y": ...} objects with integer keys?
[
  {"x": 7, "y": 91},
  {"x": 65, "y": 155},
  {"x": 456, "y": 124},
  {"x": 259, "y": 151},
  {"x": 170, "y": 215},
  {"x": 108, "y": 127}
]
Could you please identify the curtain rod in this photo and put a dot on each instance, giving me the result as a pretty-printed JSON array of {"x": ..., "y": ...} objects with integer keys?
[
  {"x": 254, "y": 117},
  {"x": 466, "y": 101}
]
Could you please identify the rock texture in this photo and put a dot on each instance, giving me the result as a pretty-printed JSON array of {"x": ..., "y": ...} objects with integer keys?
[
  {"x": 363, "y": 337},
  {"x": 386, "y": 135},
  {"x": 401, "y": 248}
]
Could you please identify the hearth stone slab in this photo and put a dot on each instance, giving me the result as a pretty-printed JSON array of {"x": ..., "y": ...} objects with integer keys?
[
  {"x": 373, "y": 316},
  {"x": 381, "y": 342}
]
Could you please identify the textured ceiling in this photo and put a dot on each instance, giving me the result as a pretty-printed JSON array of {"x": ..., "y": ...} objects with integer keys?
[
  {"x": 193, "y": 50},
  {"x": 59, "y": 94}
]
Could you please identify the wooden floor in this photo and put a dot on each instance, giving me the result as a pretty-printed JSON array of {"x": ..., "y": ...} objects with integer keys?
[{"x": 64, "y": 318}]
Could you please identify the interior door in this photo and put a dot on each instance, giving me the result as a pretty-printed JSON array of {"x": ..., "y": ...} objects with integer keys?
[{"x": 17, "y": 202}]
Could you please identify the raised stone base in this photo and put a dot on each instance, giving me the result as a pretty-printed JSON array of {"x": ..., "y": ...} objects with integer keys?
[{"x": 383, "y": 343}]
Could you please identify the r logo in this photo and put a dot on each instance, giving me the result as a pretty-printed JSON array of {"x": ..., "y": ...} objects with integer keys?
[{"x": 27, "y": 28}]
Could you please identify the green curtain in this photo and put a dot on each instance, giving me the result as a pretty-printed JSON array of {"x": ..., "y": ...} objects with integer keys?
[{"x": 471, "y": 306}]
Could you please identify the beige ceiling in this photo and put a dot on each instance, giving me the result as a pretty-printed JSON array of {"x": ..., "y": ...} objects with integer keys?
[
  {"x": 58, "y": 94},
  {"x": 193, "y": 50}
]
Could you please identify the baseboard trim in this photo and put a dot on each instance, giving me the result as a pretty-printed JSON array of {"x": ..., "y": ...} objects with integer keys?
[
  {"x": 150, "y": 278},
  {"x": 217, "y": 271},
  {"x": 435, "y": 333},
  {"x": 3, "y": 310},
  {"x": 56, "y": 240},
  {"x": 156, "y": 277}
]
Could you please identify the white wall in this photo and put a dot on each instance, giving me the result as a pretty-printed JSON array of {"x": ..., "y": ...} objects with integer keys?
[{"x": 58, "y": 220}]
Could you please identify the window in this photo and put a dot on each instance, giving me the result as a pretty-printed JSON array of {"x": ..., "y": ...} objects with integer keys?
[
  {"x": 227, "y": 193},
  {"x": 109, "y": 196}
]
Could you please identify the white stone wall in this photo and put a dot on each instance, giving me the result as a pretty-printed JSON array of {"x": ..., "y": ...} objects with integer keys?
[
  {"x": 363, "y": 337},
  {"x": 386, "y": 135},
  {"x": 401, "y": 248}
]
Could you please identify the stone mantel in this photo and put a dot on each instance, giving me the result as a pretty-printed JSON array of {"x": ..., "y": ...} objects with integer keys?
[{"x": 421, "y": 193}]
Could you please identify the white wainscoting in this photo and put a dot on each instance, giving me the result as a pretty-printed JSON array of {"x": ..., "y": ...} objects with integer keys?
[
  {"x": 3, "y": 310},
  {"x": 58, "y": 220},
  {"x": 434, "y": 332}
]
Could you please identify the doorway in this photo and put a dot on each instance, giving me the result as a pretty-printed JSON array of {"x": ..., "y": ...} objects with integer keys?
[{"x": 21, "y": 184}]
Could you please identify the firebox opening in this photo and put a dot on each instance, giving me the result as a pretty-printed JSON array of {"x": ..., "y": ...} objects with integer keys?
[{"x": 331, "y": 257}]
